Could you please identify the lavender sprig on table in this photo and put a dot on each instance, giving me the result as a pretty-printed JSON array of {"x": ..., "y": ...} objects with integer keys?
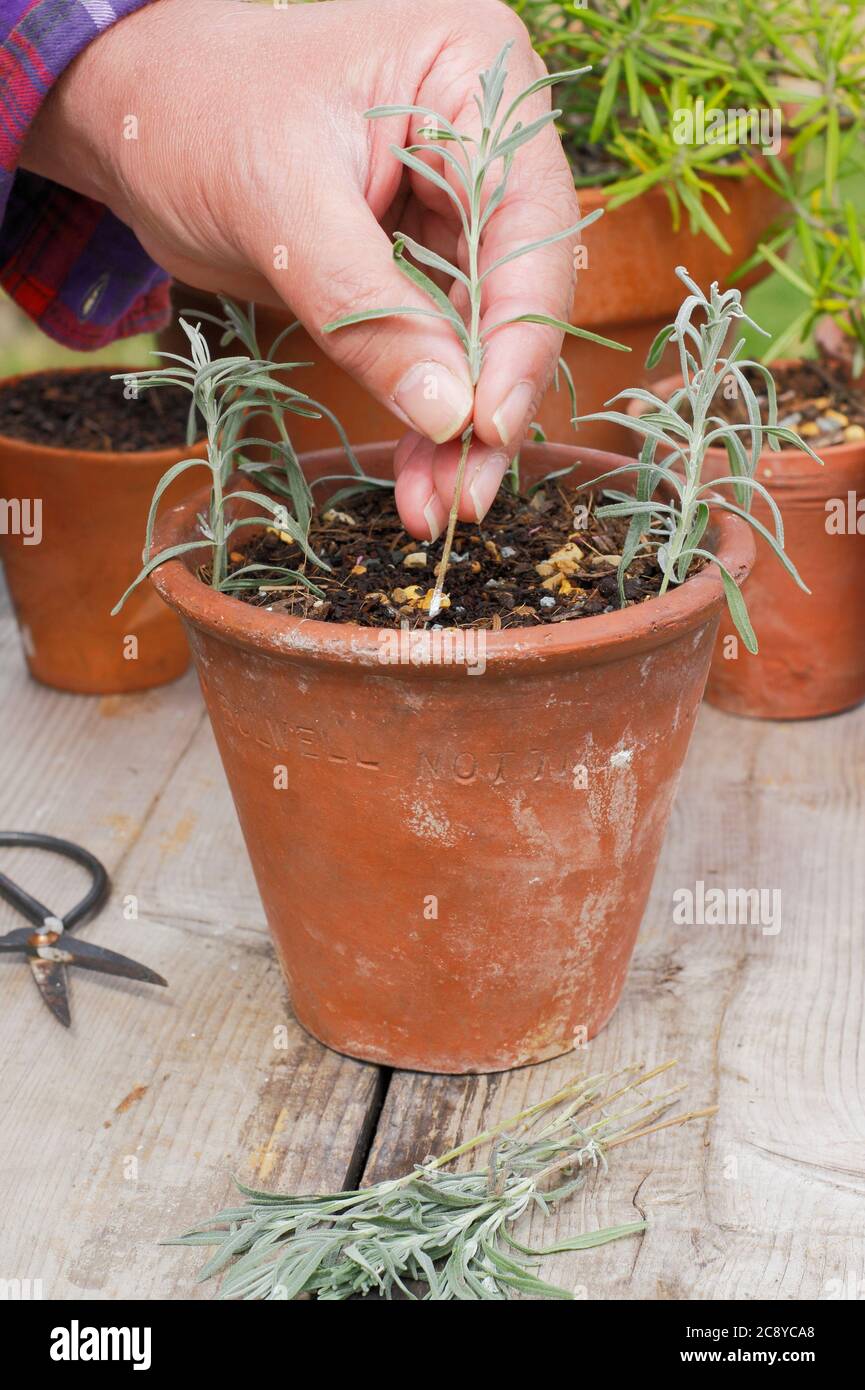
[{"x": 450, "y": 1232}]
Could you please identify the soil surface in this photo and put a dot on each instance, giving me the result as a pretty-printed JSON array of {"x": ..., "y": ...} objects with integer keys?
[
  {"x": 87, "y": 410},
  {"x": 816, "y": 399},
  {"x": 541, "y": 559}
]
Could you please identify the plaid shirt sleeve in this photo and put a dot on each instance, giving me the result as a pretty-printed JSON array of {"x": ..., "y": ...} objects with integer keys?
[{"x": 70, "y": 264}]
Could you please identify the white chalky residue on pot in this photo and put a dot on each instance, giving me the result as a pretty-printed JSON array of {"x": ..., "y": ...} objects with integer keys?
[
  {"x": 366, "y": 656},
  {"x": 295, "y": 639},
  {"x": 622, "y": 757},
  {"x": 429, "y": 823},
  {"x": 594, "y": 913},
  {"x": 411, "y": 698},
  {"x": 677, "y": 715},
  {"x": 526, "y": 820},
  {"x": 613, "y": 803}
]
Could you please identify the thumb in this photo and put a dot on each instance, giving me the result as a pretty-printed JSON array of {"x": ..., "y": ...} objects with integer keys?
[{"x": 413, "y": 363}]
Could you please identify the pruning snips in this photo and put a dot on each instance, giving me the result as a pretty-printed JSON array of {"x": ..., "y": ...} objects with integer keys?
[{"x": 49, "y": 948}]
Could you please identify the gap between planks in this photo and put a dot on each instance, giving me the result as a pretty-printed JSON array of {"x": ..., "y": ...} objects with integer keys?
[{"x": 764, "y": 1201}]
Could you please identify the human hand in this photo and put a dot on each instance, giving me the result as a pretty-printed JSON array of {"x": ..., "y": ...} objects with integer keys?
[{"x": 254, "y": 172}]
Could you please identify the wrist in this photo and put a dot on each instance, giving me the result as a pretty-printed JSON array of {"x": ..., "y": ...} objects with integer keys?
[
  {"x": 71, "y": 138},
  {"x": 88, "y": 125}
]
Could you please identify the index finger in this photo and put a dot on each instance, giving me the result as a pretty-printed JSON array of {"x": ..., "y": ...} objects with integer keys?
[{"x": 527, "y": 245}]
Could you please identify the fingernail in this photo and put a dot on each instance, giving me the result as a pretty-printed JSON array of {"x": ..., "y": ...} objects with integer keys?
[
  {"x": 513, "y": 411},
  {"x": 435, "y": 400},
  {"x": 432, "y": 516},
  {"x": 485, "y": 483}
]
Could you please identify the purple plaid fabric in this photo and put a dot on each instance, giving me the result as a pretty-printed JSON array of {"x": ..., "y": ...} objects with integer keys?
[{"x": 70, "y": 264}]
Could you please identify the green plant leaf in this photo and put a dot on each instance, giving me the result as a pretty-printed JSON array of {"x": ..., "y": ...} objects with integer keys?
[
  {"x": 452, "y": 1231},
  {"x": 172, "y": 552},
  {"x": 429, "y": 258},
  {"x": 589, "y": 1240},
  {"x": 735, "y": 603},
  {"x": 545, "y": 241},
  {"x": 366, "y": 315},
  {"x": 164, "y": 483},
  {"x": 431, "y": 288},
  {"x": 656, "y": 351},
  {"x": 562, "y": 328}
]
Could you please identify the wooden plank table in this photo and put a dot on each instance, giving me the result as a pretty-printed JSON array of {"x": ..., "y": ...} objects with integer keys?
[{"x": 127, "y": 1128}]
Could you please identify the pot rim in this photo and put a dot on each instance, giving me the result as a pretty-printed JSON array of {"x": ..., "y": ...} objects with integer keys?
[
  {"x": 787, "y": 467},
  {"x": 649, "y": 624},
  {"x": 147, "y": 458}
]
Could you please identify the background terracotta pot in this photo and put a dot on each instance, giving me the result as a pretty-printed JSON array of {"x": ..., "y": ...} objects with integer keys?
[
  {"x": 811, "y": 660},
  {"x": 628, "y": 291},
  {"x": 94, "y": 510},
  {"x": 632, "y": 253},
  {"x": 456, "y": 871}
]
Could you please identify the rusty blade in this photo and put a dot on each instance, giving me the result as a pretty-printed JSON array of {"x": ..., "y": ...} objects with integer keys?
[
  {"x": 50, "y": 976},
  {"x": 92, "y": 957}
]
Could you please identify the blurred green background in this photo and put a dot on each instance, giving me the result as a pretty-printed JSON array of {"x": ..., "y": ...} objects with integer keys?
[{"x": 23, "y": 348}]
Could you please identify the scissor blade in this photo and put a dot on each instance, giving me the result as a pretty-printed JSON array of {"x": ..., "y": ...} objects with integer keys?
[
  {"x": 92, "y": 957},
  {"x": 50, "y": 976},
  {"x": 16, "y": 940}
]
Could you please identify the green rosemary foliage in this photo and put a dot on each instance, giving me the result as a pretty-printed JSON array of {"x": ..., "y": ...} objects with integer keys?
[
  {"x": 681, "y": 430},
  {"x": 651, "y": 61},
  {"x": 830, "y": 274},
  {"x": 471, "y": 159},
  {"x": 452, "y": 1233},
  {"x": 819, "y": 58},
  {"x": 822, "y": 233},
  {"x": 227, "y": 395}
]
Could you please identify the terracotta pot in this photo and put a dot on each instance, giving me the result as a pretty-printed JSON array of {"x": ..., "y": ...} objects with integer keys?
[
  {"x": 94, "y": 510},
  {"x": 628, "y": 291},
  {"x": 811, "y": 660},
  {"x": 455, "y": 873},
  {"x": 632, "y": 253}
]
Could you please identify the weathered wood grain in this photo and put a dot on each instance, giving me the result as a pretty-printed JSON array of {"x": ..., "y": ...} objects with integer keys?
[{"x": 127, "y": 1128}]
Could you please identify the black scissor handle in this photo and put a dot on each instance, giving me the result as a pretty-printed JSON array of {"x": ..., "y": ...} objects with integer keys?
[{"x": 31, "y": 908}]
